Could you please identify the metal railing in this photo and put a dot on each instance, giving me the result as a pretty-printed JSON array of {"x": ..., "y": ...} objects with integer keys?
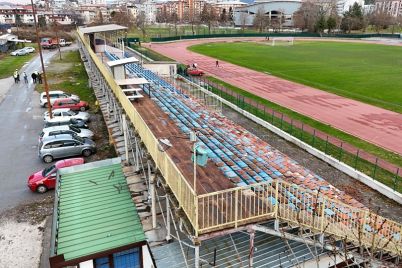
[
  {"x": 258, "y": 202},
  {"x": 375, "y": 167}
]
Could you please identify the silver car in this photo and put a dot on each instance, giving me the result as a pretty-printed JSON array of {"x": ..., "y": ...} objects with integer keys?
[
  {"x": 65, "y": 129},
  {"x": 60, "y": 146},
  {"x": 64, "y": 115}
]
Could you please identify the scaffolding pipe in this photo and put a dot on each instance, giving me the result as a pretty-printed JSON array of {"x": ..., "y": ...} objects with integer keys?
[
  {"x": 196, "y": 256},
  {"x": 125, "y": 136},
  {"x": 153, "y": 205},
  {"x": 251, "y": 254},
  {"x": 168, "y": 237}
]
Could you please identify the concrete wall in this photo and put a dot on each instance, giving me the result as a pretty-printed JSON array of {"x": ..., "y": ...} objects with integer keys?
[{"x": 162, "y": 68}]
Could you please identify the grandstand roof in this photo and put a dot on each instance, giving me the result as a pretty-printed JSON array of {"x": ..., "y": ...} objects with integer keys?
[{"x": 102, "y": 28}]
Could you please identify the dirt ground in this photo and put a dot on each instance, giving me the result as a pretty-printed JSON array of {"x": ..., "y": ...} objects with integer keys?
[{"x": 362, "y": 193}]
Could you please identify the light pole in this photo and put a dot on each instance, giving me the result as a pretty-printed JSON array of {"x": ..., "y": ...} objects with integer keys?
[{"x": 49, "y": 107}]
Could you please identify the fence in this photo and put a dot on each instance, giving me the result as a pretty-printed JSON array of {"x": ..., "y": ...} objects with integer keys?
[
  {"x": 257, "y": 202},
  {"x": 200, "y": 36},
  {"x": 378, "y": 169}
]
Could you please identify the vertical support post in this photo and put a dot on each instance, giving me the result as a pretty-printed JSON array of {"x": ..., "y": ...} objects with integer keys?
[
  {"x": 251, "y": 251},
  {"x": 276, "y": 199},
  {"x": 340, "y": 151},
  {"x": 281, "y": 121},
  {"x": 396, "y": 178},
  {"x": 273, "y": 114},
  {"x": 322, "y": 214},
  {"x": 357, "y": 158},
  {"x": 375, "y": 167},
  {"x": 168, "y": 236},
  {"x": 236, "y": 206},
  {"x": 313, "y": 137},
  {"x": 196, "y": 255},
  {"x": 301, "y": 133},
  {"x": 326, "y": 145},
  {"x": 153, "y": 200},
  {"x": 276, "y": 225},
  {"x": 291, "y": 126},
  {"x": 125, "y": 136}
]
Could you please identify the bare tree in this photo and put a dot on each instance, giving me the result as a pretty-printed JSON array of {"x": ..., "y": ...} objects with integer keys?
[
  {"x": 140, "y": 23},
  {"x": 306, "y": 16},
  {"x": 208, "y": 16},
  {"x": 380, "y": 20},
  {"x": 122, "y": 18},
  {"x": 243, "y": 20},
  {"x": 261, "y": 21},
  {"x": 174, "y": 19}
]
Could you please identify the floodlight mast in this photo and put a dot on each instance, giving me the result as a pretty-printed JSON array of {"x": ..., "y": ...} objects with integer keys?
[{"x": 49, "y": 106}]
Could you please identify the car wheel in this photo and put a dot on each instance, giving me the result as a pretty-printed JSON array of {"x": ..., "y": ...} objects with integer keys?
[
  {"x": 46, "y": 105},
  {"x": 86, "y": 152},
  {"x": 41, "y": 189},
  {"x": 48, "y": 159},
  {"x": 82, "y": 109}
]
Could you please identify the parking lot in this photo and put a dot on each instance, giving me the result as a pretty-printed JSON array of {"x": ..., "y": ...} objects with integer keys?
[{"x": 21, "y": 122}]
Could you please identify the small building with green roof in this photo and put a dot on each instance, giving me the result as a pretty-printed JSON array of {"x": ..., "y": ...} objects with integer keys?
[{"x": 95, "y": 222}]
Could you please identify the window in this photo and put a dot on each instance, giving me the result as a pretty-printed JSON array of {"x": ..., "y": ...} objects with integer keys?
[
  {"x": 69, "y": 143},
  {"x": 54, "y": 144},
  {"x": 127, "y": 259},
  {"x": 102, "y": 262}
]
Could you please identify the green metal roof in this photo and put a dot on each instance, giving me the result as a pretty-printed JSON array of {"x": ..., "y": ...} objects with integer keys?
[{"x": 95, "y": 211}]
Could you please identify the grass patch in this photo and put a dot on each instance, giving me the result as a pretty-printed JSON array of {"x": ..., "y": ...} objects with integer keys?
[
  {"x": 365, "y": 72},
  {"x": 150, "y": 53},
  {"x": 70, "y": 76},
  {"x": 9, "y": 63},
  {"x": 384, "y": 176},
  {"x": 366, "y": 146}
]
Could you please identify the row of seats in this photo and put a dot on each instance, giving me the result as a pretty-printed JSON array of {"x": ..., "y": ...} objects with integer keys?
[{"x": 242, "y": 157}]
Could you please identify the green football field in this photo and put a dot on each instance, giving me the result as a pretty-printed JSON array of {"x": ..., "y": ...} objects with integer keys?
[{"x": 366, "y": 72}]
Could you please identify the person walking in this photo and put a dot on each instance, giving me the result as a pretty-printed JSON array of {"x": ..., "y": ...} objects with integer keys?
[
  {"x": 25, "y": 78},
  {"x": 37, "y": 76},
  {"x": 15, "y": 75},
  {"x": 217, "y": 63},
  {"x": 40, "y": 78},
  {"x": 33, "y": 75}
]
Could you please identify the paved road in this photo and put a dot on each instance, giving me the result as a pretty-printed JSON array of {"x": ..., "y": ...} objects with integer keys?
[
  {"x": 376, "y": 125},
  {"x": 21, "y": 122}
]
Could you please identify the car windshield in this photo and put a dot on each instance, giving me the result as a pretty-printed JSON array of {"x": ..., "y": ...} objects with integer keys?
[
  {"x": 75, "y": 129},
  {"x": 48, "y": 170},
  {"x": 72, "y": 112}
]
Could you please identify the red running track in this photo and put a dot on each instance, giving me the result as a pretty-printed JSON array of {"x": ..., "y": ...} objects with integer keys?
[{"x": 370, "y": 123}]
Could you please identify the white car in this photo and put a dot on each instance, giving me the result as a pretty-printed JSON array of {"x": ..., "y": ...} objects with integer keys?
[
  {"x": 29, "y": 49},
  {"x": 54, "y": 95},
  {"x": 65, "y": 129},
  {"x": 19, "y": 52},
  {"x": 64, "y": 115}
]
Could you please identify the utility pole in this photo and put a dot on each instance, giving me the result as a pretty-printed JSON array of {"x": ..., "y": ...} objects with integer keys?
[
  {"x": 41, "y": 60},
  {"x": 56, "y": 32}
]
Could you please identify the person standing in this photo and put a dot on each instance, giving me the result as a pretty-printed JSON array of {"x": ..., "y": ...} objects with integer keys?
[
  {"x": 25, "y": 78},
  {"x": 15, "y": 75},
  {"x": 40, "y": 78},
  {"x": 217, "y": 63},
  {"x": 33, "y": 75}
]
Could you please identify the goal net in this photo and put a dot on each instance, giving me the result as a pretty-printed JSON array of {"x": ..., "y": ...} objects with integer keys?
[{"x": 283, "y": 41}]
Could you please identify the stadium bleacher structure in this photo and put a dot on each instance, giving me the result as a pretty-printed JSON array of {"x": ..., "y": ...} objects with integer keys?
[{"x": 242, "y": 157}]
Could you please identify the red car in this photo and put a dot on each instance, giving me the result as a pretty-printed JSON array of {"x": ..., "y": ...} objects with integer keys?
[
  {"x": 45, "y": 179},
  {"x": 73, "y": 104},
  {"x": 195, "y": 72}
]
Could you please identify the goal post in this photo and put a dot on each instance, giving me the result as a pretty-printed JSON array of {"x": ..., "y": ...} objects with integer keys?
[{"x": 287, "y": 41}]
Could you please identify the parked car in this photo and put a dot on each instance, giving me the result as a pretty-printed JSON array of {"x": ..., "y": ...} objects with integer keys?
[
  {"x": 66, "y": 129},
  {"x": 19, "y": 52},
  {"x": 65, "y": 114},
  {"x": 73, "y": 104},
  {"x": 45, "y": 180},
  {"x": 195, "y": 72},
  {"x": 61, "y": 146},
  {"x": 54, "y": 95},
  {"x": 29, "y": 49},
  {"x": 73, "y": 122}
]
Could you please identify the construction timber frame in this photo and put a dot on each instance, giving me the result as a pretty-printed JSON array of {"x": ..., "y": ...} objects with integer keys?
[{"x": 240, "y": 206}]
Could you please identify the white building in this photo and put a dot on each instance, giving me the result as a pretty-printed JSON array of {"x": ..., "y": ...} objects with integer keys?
[
  {"x": 148, "y": 8},
  {"x": 391, "y": 7}
]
